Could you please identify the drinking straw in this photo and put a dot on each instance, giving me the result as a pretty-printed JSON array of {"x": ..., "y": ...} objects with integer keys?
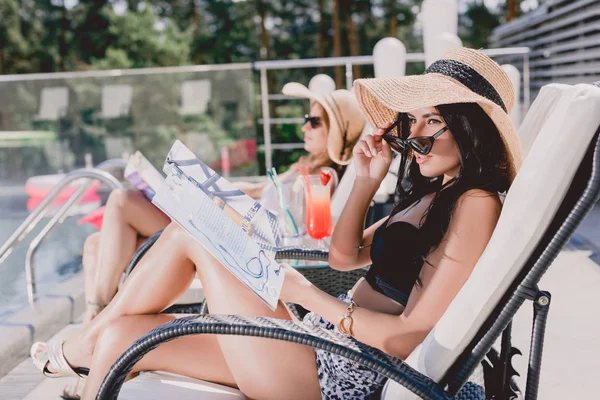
[
  {"x": 287, "y": 213},
  {"x": 306, "y": 175}
]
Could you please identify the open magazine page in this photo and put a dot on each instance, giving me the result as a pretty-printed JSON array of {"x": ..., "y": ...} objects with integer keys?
[
  {"x": 143, "y": 176},
  {"x": 232, "y": 226}
]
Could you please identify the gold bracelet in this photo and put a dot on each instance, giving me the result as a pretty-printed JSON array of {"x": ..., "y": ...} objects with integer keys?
[{"x": 346, "y": 321}]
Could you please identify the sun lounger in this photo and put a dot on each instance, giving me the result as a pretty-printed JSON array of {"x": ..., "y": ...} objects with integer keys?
[{"x": 557, "y": 186}]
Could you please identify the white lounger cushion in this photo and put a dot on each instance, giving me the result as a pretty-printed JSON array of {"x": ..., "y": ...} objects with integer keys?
[
  {"x": 538, "y": 114},
  {"x": 162, "y": 385},
  {"x": 528, "y": 209}
]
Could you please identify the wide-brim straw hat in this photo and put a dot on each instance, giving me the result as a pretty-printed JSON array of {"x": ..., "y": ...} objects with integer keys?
[
  {"x": 346, "y": 119},
  {"x": 461, "y": 75}
]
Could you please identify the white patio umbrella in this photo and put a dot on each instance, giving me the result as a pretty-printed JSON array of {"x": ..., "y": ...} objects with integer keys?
[{"x": 389, "y": 58}]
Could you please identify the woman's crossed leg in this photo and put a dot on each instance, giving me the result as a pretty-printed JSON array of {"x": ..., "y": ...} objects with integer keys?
[{"x": 261, "y": 368}]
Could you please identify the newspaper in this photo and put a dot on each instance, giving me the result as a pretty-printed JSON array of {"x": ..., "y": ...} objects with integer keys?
[
  {"x": 143, "y": 176},
  {"x": 233, "y": 227}
]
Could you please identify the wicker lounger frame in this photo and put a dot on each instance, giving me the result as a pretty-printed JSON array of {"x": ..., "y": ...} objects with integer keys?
[{"x": 581, "y": 197}]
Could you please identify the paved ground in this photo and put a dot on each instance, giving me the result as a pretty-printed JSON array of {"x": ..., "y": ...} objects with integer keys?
[
  {"x": 25, "y": 382},
  {"x": 571, "y": 365}
]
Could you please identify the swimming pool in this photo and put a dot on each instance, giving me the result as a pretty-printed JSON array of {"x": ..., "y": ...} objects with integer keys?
[{"x": 57, "y": 259}]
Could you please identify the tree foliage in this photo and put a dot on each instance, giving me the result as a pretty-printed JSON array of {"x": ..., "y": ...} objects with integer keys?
[{"x": 47, "y": 36}]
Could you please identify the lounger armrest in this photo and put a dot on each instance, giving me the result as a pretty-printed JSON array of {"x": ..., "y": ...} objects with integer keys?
[
  {"x": 301, "y": 253},
  {"x": 273, "y": 329}
]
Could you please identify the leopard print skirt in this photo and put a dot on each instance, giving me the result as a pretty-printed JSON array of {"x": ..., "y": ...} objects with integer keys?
[{"x": 339, "y": 377}]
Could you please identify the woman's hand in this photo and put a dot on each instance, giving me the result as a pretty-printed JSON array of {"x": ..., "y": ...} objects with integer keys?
[
  {"x": 295, "y": 286},
  {"x": 372, "y": 157}
]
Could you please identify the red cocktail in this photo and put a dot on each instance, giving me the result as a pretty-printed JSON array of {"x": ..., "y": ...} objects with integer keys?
[{"x": 319, "y": 223}]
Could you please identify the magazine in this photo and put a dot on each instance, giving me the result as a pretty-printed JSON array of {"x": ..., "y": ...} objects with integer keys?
[
  {"x": 143, "y": 176},
  {"x": 241, "y": 233}
]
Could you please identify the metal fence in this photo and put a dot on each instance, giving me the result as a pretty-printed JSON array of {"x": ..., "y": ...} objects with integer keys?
[
  {"x": 49, "y": 122},
  {"x": 348, "y": 63},
  {"x": 564, "y": 38}
]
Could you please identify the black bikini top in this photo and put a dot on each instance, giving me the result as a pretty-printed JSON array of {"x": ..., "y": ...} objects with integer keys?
[{"x": 396, "y": 260}]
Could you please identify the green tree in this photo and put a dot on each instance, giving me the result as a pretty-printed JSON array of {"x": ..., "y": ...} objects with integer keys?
[
  {"x": 477, "y": 24},
  {"x": 137, "y": 43},
  {"x": 92, "y": 21},
  {"x": 14, "y": 48}
]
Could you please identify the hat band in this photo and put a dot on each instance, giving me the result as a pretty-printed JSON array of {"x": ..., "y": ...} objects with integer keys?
[{"x": 468, "y": 77}]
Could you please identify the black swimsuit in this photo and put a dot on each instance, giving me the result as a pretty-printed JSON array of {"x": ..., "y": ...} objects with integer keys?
[
  {"x": 396, "y": 260},
  {"x": 396, "y": 265}
]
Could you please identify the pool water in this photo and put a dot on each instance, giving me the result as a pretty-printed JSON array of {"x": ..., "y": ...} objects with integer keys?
[{"x": 57, "y": 258}]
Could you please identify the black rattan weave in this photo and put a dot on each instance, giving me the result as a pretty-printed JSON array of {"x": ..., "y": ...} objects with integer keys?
[
  {"x": 332, "y": 281},
  {"x": 275, "y": 329},
  {"x": 301, "y": 253},
  {"x": 193, "y": 308}
]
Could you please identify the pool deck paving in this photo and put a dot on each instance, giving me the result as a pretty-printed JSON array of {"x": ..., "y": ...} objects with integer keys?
[{"x": 571, "y": 362}]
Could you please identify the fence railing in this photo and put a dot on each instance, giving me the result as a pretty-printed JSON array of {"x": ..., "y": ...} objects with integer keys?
[
  {"x": 348, "y": 63},
  {"x": 262, "y": 66}
]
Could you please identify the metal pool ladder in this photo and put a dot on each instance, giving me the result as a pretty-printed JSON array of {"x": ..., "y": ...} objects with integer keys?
[{"x": 99, "y": 173}]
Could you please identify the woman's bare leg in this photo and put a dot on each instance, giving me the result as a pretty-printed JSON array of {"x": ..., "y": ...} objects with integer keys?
[
  {"x": 90, "y": 258},
  {"x": 196, "y": 356},
  {"x": 128, "y": 215},
  {"x": 160, "y": 278},
  {"x": 278, "y": 369},
  {"x": 262, "y": 368},
  {"x": 268, "y": 369},
  {"x": 90, "y": 253}
]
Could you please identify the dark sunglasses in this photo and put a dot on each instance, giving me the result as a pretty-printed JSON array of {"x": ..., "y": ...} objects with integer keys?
[
  {"x": 314, "y": 121},
  {"x": 420, "y": 144}
]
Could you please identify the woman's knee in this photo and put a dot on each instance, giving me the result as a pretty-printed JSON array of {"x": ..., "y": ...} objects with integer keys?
[
  {"x": 175, "y": 232},
  {"x": 113, "y": 340},
  {"x": 90, "y": 246},
  {"x": 122, "y": 198},
  {"x": 116, "y": 198}
]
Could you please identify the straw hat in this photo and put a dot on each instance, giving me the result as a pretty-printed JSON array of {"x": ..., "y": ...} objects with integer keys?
[
  {"x": 461, "y": 75},
  {"x": 346, "y": 120}
]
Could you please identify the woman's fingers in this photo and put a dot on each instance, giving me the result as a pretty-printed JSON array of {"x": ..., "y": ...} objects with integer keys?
[
  {"x": 374, "y": 143},
  {"x": 386, "y": 151},
  {"x": 362, "y": 148},
  {"x": 380, "y": 131}
]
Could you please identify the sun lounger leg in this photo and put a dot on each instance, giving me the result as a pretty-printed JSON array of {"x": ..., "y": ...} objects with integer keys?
[
  {"x": 509, "y": 387},
  {"x": 541, "y": 306},
  {"x": 499, "y": 372}
]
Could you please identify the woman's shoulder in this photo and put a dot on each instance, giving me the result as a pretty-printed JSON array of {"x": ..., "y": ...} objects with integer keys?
[
  {"x": 480, "y": 197},
  {"x": 477, "y": 206},
  {"x": 472, "y": 224}
]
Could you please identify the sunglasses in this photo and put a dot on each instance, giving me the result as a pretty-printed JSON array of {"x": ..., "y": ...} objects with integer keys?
[
  {"x": 314, "y": 121},
  {"x": 420, "y": 144}
]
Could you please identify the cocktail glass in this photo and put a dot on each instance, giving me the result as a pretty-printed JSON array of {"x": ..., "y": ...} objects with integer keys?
[{"x": 319, "y": 222}]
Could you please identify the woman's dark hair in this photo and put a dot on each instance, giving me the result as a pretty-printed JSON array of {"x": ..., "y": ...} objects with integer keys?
[{"x": 483, "y": 166}]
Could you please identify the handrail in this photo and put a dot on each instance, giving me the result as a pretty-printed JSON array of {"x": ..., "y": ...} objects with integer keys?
[
  {"x": 36, "y": 215},
  {"x": 116, "y": 163},
  {"x": 125, "y": 72},
  {"x": 367, "y": 60},
  {"x": 58, "y": 218}
]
